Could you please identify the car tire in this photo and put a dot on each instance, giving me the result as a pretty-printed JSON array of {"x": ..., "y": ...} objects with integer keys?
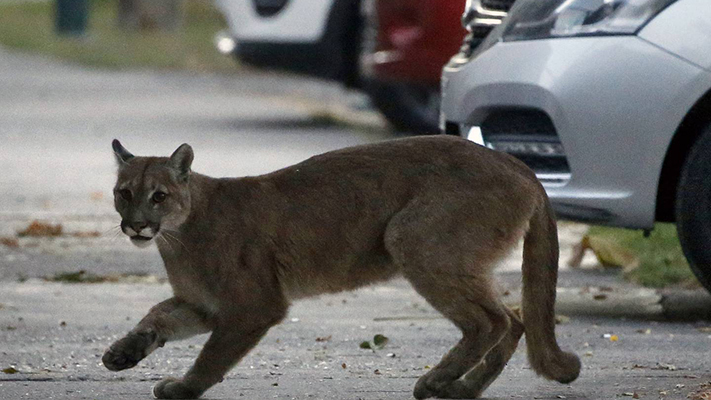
[
  {"x": 409, "y": 108},
  {"x": 693, "y": 208}
]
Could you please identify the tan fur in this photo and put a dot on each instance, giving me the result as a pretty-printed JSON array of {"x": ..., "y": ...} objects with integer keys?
[{"x": 440, "y": 211}]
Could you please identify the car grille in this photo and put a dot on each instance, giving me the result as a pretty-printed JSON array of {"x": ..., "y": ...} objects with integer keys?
[
  {"x": 480, "y": 23},
  {"x": 268, "y": 8},
  {"x": 497, "y": 5},
  {"x": 528, "y": 135}
]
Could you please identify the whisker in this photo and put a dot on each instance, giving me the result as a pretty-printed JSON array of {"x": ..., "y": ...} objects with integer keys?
[
  {"x": 172, "y": 236},
  {"x": 166, "y": 242}
]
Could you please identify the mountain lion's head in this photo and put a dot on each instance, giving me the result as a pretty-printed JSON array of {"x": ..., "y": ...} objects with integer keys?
[{"x": 151, "y": 193}]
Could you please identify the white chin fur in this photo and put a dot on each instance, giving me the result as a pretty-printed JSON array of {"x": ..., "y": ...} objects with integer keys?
[{"x": 141, "y": 243}]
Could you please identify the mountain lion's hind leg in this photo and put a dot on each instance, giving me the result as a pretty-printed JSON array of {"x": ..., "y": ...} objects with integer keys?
[
  {"x": 449, "y": 261},
  {"x": 477, "y": 380},
  {"x": 483, "y": 322},
  {"x": 169, "y": 320}
]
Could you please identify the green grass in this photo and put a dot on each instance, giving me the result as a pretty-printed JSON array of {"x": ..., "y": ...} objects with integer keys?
[
  {"x": 662, "y": 262},
  {"x": 29, "y": 27}
]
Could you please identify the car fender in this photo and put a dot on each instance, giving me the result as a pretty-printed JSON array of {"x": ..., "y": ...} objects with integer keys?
[{"x": 683, "y": 30}]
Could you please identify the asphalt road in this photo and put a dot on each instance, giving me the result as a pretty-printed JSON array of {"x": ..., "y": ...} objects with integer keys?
[{"x": 56, "y": 125}]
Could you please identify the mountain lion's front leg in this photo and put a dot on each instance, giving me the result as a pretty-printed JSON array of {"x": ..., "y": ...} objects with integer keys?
[
  {"x": 230, "y": 341},
  {"x": 172, "y": 319}
]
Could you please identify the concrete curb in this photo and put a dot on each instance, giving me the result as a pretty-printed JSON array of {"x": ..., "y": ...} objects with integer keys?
[{"x": 634, "y": 303}]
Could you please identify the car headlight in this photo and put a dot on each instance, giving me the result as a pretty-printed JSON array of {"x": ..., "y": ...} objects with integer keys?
[{"x": 539, "y": 19}]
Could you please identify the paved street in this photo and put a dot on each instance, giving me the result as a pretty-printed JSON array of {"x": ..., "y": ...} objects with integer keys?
[{"x": 56, "y": 125}]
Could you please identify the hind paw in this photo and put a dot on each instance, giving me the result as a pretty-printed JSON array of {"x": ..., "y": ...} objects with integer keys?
[
  {"x": 456, "y": 389},
  {"x": 171, "y": 388}
]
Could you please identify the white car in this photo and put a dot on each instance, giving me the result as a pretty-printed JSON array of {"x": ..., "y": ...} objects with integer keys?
[
  {"x": 392, "y": 49},
  {"x": 608, "y": 101}
]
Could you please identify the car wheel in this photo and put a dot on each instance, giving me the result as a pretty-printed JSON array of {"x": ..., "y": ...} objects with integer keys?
[
  {"x": 409, "y": 108},
  {"x": 693, "y": 209}
]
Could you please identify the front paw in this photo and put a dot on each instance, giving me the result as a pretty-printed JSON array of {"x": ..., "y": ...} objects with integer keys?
[
  {"x": 171, "y": 388},
  {"x": 127, "y": 352}
]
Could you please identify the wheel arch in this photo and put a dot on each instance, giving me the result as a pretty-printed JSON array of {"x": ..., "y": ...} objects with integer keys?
[{"x": 688, "y": 132}]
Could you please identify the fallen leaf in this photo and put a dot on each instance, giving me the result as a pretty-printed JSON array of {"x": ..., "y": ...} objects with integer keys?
[
  {"x": 377, "y": 372},
  {"x": 667, "y": 367},
  {"x": 644, "y": 331},
  {"x": 600, "y": 296},
  {"x": 365, "y": 345},
  {"x": 702, "y": 393},
  {"x": 41, "y": 229},
  {"x": 343, "y": 365},
  {"x": 380, "y": 341},
  {"x": 609, "y": 254},
  {"x": 10, "y": 370},
  {"x": 10, "y": 242},
  {"x": 323, "y": 339},
  {"x": 614, "y": 338}
]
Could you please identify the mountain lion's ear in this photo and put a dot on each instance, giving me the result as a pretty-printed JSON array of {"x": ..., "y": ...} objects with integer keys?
[
  {"x": 181, "y": 160},
  {"x": 122, "y": 155}
]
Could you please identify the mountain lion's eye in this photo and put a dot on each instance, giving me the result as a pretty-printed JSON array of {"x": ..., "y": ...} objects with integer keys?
[
  {"x": 126, "y": 194},
  {"x": 159, "y": 197}
]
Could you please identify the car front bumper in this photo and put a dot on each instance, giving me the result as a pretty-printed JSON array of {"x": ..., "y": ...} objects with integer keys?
[{"x": 614, "y": 102}]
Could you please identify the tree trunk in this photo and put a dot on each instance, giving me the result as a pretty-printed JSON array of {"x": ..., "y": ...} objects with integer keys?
[{"x": 144, "y": 15}]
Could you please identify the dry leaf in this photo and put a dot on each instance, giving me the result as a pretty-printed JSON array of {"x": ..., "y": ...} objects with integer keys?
[
  {"x": 10, "y": 242},
  {"x": 609, "y": 254},
  {"x": 703, "y": 393},
  {"x": 667, "y": 367},
  {"x": 41, "y": 229}
]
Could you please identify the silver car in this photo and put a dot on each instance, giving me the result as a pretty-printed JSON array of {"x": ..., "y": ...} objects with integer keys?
[{"x": 608, "y": 101}]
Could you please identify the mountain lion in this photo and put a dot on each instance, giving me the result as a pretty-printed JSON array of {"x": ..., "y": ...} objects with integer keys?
[{"x": 440, "y": 211}]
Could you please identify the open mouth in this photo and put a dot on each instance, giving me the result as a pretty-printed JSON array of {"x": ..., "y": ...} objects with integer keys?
[{"x": 140, "y": 238}]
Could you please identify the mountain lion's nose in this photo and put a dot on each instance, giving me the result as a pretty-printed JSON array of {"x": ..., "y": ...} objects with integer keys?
[{"x": 138, "y": 225}]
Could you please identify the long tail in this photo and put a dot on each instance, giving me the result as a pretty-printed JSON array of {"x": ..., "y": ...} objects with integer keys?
[{"x": 540, "y": 275}]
